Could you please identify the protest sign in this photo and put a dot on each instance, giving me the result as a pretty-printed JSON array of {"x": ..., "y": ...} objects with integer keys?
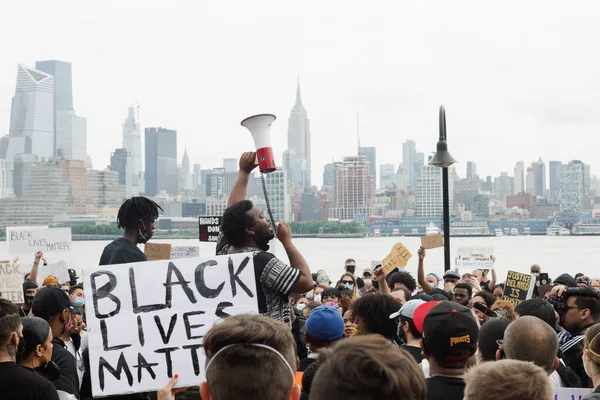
[
  {"x": 146, "y": 320},
  {"x": 518, "y": 287},
  {"x": 475, "y": 257},
  {"x": 59, "y": 269},
  {"x": 184, "y": 252},
  {"x": 432, "y": 241},
  {"x": 11, "y": 282},
  {"x": 157, "y": 251},
  {"x": 209, "y": 228},
  {"x": 398, "y": 257},
  {"x": 48, "y": 240},
  {"x": 570, "y": 393}
]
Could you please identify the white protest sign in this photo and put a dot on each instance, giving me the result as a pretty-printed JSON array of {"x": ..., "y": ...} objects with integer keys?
[
  {"x": 146, "y": 320},
  {"x": 11, "y": 282},
  {"x": 184, "y": 252},
  {"x": 475, "y": 257},
  {"x": 570, "y": 393},
  {"x": 48, "y": 240},
  {"x": 59, "y": 269}
]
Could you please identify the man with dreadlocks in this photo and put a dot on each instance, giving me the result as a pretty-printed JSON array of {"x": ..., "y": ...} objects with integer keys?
[
  {"x": 245, "y": 229},
  {"x": 136, "y": 216}
]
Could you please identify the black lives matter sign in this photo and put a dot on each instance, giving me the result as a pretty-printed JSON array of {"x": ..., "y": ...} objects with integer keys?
[
  {"x": 518, "y": 287},
  {"x": 209, "y": 228}
]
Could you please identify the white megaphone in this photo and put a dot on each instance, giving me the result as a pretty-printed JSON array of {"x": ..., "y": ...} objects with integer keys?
[{"x": 260, "y": 128}]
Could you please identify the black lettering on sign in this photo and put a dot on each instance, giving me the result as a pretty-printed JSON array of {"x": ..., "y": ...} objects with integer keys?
[
  {"x": 143, "y": 364},
  {"x": 189, "y": 326},
  {"x": 234, "y": 277},
  {"x": 140, "y": 331},
  {"x": 180, "y": 281},
  {"x": 121, "y": 366},
  {"x": 104, "y": 332},
  {"x": 204, "y": 290},
  {"x": 165, "y": 337},
  {"x": 220, "y": 307},
  {"x": 137, "y": 308},
  {"x": 194, "y": 351},
  {"x": 104, "y": 292},
  {"x": 167, "y": 351}
]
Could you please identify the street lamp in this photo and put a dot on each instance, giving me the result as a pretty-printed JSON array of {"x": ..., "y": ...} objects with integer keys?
[{"x": 443, "y": 160}]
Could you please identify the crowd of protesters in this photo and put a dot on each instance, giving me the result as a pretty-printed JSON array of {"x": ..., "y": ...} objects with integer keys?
[{"x": 361, "y": 335}]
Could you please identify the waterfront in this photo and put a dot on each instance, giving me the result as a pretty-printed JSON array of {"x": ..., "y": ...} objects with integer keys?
[{"x": 556, "y": 255}]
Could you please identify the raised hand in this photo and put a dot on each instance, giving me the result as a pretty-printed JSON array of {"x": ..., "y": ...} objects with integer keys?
[{"x": 248, "y": 161}]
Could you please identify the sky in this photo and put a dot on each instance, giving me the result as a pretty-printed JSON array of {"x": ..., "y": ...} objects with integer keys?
[{"x": 519, "y": 80}]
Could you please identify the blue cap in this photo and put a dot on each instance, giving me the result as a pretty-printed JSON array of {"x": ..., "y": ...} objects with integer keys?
[{"x": 325, "y": 323}]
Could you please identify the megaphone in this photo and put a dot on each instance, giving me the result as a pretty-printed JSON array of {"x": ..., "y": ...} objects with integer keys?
[{"x": 260, "y": 128}]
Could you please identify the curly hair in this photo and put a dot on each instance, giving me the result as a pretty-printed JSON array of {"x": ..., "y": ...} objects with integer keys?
[
  {"x": 374, "y": 311},
  {"x": 135, "y": 209},
  {"x": 403, "y": 278},
  {"x": 235, "y": 222}
]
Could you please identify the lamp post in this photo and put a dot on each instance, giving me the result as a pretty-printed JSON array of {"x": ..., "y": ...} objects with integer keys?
[{"x": 443, "y": 160}]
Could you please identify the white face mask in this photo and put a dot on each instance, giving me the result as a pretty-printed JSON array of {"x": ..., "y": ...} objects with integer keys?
[
  {"x": 300, "y": 306},
  {"x": 318, "y": 298},
  {"x": 368, "y": 282}
]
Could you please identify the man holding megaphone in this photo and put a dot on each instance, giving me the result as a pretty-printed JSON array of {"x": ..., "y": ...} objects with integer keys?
[{"x": 245, "y": 229}]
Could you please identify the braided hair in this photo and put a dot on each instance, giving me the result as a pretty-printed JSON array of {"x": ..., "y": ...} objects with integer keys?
[{"x": 135, "y": 209}]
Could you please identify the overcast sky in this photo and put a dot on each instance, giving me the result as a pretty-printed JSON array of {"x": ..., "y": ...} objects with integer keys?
[{"x": 519, "y": 80}]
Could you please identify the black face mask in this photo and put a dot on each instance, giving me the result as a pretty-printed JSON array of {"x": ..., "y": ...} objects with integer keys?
[
  {"x": 28, "y": 301},
  {"x": 50, "y": 371},
  {"x": 21, "y": 348},
  {"x": 351, "y": 268},
  {"x": 401, "y": 335}
]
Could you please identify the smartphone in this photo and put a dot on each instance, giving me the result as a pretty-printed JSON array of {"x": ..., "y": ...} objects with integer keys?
[{"x": 485, "y": 310}]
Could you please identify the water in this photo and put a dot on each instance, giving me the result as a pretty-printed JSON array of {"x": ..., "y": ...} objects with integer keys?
[{"x": 556, "y": 255}]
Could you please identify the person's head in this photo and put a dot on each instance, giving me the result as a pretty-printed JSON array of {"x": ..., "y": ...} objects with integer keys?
[
  {"x": 451, "y": 277},
  {"x": 50, "y": 281},
  {"x": 591, "y": 350},
  {"x": 76, "y": 295},
  {"x": 583, "y": 281},
  {"x": 498, "y": 291},
  {"x": 243, "y": 223},
  {"x": 11, "y": 329},
  {"x": 318, "y": 291},
  {"x": 309, "y": 307},
  {"x": 349, "y": 325},
  {"x": 535, "y": 270},
  {"x": 371, "y": 315},
  {"x": 531, "y": 339},
  {"x": 27, "y": 277},
  {"x": 368, "y": 368},
  {"x": 406, "y": 326},
  {"x": 466, "y": 276},
  {"x": 332, "y": 295},
  {"x": 251, "y": 355},
  {"x": 348, "y": 281},
  {"x": 504, "y": 309},
  {"x": 477, "y": 273},
  {"x": 596, "y": 283},
  {"x": 401, "y": 294},
  {"x": 433, "y": 280},
  {"x": 29, "y": 289},
  {"x": 368, "y": 277},
  {"x": 138, "y": 215},
  {"x": 301, "y": 303},
  {"x": 463, "y": 293},
  {"x": 350, "y": 265},
  {"x": 402, "y": 279},
  {"x": 489, "y": 334},
  {"x": 53, "y": 306},
  {"x": 582, "y": 309},
  {"x": 37, "y": 336},
  {"x": 324, "y": 327},
  {"x": 511, "y": 379},
  {"x": 537, "y": 308}
]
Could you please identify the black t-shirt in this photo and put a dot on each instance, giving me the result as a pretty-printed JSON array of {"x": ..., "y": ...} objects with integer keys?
[
  {"x": 19, "y": 383},
  {"x": 305, "y": 363},
  {"x": 415, "y": 352},
  {"x": 445, "y": 388},
  {"x": 121, "y": 251}
]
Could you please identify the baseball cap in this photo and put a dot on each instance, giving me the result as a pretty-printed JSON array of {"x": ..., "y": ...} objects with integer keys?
[
  {"x": 451, "y": 275},
  {"x": 50, "y": 280},
  {"x": 408, "y": 309},
  {"x": 368, "y": 271},
  {"x": 325, "y": 323},
  {"x": 49, "y": 301},
  {"x": 420, "y": 313},
  {"x": 323, "y": 279},
  {"x": 450, "y": 332}
]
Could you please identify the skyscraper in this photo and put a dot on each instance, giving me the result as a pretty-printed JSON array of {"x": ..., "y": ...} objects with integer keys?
[
  {"x": 354, "y": 189},
  {"x": 387, "y": 176},
  {"x": 3, "y": 179},
  {"x": 504, "y": 185},
  {"x": 540, "y": 178},
  {"x": 184, "y": 173},
  {"x": 419, "y": 162},
  {"x": 132, "y": 142},
  {"x": 519, "y": 178},
  {"x": 371, "y": 154},
  {"x": 530, "y": 180},
  {"x": 409, "y": 151},
  {"x": 32, "y": 113},
  {"x": 429, "y": 192},
  {"x": 575, "y": 188},
  {"x": 230, "y": 164},
  {"x": 471, "y": 170},
  {"x": 279, "y": 197},
  {"x": 71, "y": 136},
  {"x": 161, "y": 161},
  {"x": 118, "y": 163},
  {"x": 299, "y": 137},
  {"x": 555, "y": 169}
]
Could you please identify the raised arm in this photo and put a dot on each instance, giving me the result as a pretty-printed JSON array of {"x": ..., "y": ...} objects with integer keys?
[
  {"x": 421, "y": 272},
  {"x": 284, "y": 234},
  {"x": 493, "y": 280},
  {"x": 240, "y": 188},
  {"x": 380, "y": 277},
  {"x": 34, "y": 267}
]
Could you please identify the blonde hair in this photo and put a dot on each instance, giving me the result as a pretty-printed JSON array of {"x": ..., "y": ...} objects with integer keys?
[
  {"x": 511, "y": 379},
  {"x": 354, "y": 294},
  {"x": 507, "y": 309}
]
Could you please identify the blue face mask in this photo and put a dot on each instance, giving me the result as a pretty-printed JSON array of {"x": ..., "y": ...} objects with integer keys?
[
  {"x": 79, "y": 302},
  {"x": 349, "y": 285}
]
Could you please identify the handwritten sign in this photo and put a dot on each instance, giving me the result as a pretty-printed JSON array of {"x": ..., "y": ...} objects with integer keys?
[
  {"x": 49, "y": 240},
  {"x": 146, "y": 320},
  {"x": 11, "y": 282},
  {"x": 518, "y": 287},
  {"x": 184, "y": 252},
  {"x": 432, "y": 241},
  {"x": 59, "y": 269},
  {"x": 398, "y": 257},
  {"x": 475, "y": 257},
  {"x": 570, "y": 393},
  {"x": 157, "y": 251},
  {"x": 209, "y": 228}
]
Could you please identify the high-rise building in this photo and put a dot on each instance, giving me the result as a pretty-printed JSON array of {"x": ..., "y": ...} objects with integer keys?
[
  {"x": 354, "y": 189},
  {"x": 105, "y": 189},
  {"x": 184, "y": 173},
  {"x": 63, "y": 91},
  {"x": 419, "y": 162},
  {"x": 132, "y": 142},
  {"x": 430, "y": 192},
  {"x": 409, "y": 151},
  {"x": 530, "y": 181},
  {"x": 118, "y": 163},
  {"x": 214, "y": 183},
  {"x": 3, "y": 179},
  {"x": 32, "y": 113},
  {"x": 519, "y": 177},
  {"x": 230, "y": 164},
  {"x": 71, "y": 136},
  {"x": 279, "y": 197},
  {"x": 371, "y": 154},
  {"x": 540, "y": 178},
  {"x": 504, "y": 185},
  {"x": 161, "y": 161},
  {"x": 299, "y": 138},
  {"x": 575, "y": 188},
  {"x": 22, "y": 166},
  {"x": 401, "y": 180},
  {"x": 471, "y": 170},
  {"x": 309, "y": 206},
  {"x": 555, "y": 170},
  {"x": 387, "y": 176}
]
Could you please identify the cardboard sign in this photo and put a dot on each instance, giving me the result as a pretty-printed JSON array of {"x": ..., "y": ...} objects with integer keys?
[
  {"x": 157, "y": 251},
  {"x": 518, "y": 287},
  {"x": 59, "y": 269},
  {"x": 11, "y": 282},
  {"x": 432, "y": 241},
  {"x": 184, "y": 252},
  {"x": 475, "y": 257},
  {"x": 146, "y": 320},
  {"x": 209, "y": 228},
  {"x": 398, "y": 257},
  {"x": 570, "y": 393},
  {"x": 27, "y": 240}
]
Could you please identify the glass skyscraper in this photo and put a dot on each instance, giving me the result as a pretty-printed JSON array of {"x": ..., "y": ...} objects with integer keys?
[{"x": 161, "y": 161}]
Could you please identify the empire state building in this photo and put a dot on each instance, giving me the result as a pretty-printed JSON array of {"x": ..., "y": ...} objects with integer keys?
[{"x": 298, "y": 152}]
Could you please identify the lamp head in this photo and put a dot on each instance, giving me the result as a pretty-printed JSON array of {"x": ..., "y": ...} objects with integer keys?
[{"x": 442, "y": 157}]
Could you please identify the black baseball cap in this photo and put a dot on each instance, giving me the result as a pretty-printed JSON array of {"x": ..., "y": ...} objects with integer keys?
[
  {"x": 49, "y": 301},
  {"x": 450, "y": 332}
]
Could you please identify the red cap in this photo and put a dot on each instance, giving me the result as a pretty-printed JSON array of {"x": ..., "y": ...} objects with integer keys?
[{"x": 421, "y": 312}]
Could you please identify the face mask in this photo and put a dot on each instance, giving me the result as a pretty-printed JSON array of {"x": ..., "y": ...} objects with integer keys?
[
  {"x": 21, "y": 348},
  {"x": 351, "y": 268},
  {"x": 28, "y": 301},
  {"x": 300, "y": 306},
  {"x": 401, "y": 334},
  {"x": 318, "y": 298},
  {"x": 368, "y": 282},
  {"x": 79, "y": 302},
  {"x": 348, "y": 285}
]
